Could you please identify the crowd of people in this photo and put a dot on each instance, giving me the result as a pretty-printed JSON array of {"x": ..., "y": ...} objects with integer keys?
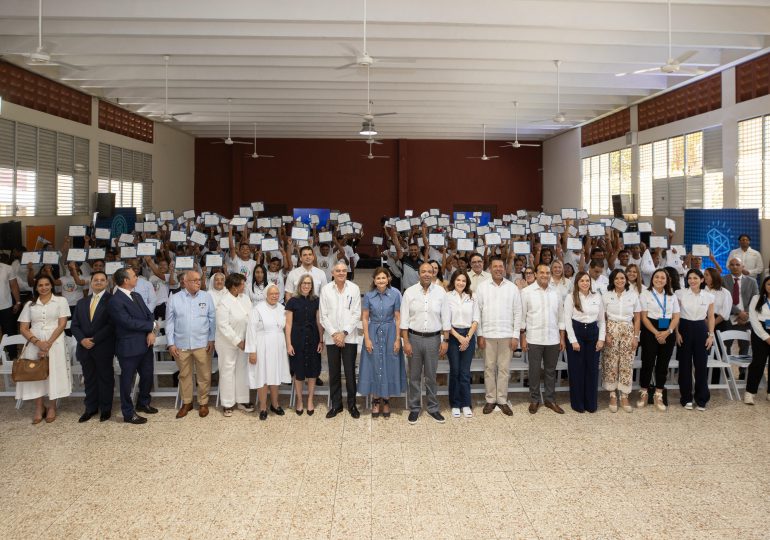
[{"x": 269, "y": 296}]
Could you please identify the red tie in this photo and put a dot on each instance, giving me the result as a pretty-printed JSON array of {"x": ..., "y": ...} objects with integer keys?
[{"x": 736, "y": 291}]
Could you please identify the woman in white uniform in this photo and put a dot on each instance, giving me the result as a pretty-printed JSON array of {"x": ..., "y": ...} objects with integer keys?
[
  {"x": 258, "y": 286},
  {"x": 232, "y": 317},
  {"x": 266, "y": 346},
  {"x": 42, "y": 323},
  {"x": 216, "y": 287}
]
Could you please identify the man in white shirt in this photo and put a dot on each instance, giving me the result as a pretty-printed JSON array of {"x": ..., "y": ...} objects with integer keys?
[
  {"x": 500, "y": 308},
  {"x": 477, "y": 273},
  {"x": 751, "y": 258},
  {"x": 421, "y": 331},
  {"x": 340, "y": 311},
  {"x": 240, "y": 263},
  {"x": 542, "y": 335},
  {"x": 599, "y": 279},
  {"x": 306, "y": 257}
]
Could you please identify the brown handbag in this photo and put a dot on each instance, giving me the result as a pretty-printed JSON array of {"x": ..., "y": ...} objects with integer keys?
[{"x": 26, "y": 370}]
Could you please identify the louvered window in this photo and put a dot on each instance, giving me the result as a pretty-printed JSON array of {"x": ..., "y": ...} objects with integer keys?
[
  {"x": 605, "y": 175},
  {"x": 39, "y": 174},
  {"x": 127, "y": 174},
  {"x": 753, "y": 172}
]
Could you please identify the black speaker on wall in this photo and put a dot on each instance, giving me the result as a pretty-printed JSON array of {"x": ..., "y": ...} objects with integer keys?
[
  {"x": 105, "y": 204},
  {"x": 10, "y": 235}
]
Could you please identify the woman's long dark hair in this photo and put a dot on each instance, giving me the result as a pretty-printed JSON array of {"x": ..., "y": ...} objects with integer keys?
[
  {"x": 467, "y": 290},
  {"x": 36, "y": 294},
  {"x": 667, "y": 287},
  {"x": 254, "y": 283},
  {"x": 762, "y": 294}
]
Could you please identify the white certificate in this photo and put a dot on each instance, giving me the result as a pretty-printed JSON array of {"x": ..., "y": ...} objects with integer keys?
[
  {"x": 517, "y": 230},
  {"x": 521, "y": 248},
  {"x": 76, "y": 255},
  {"x": 238, "y": 221},
  {"x": 402, "y": 225},
  {"x": 346, "y": 229},
  {"x": 596, "y": 229},
  {"x": 465, "y": 244},
  {"x": 521, "y": 213},
  {"x": 343, "y": 218},
  {"x": 582, "y": 214},
  {"x": 632, "y": 238},
  {"x": 644, "y": 226},
  {"x": 178, "y": 236},
  {"x": 582, "y": 230},
  {"x": 701, "y": 250},
  {"x": 658, "y": 242},
  {"x": 458, "y": 233},
  {"x": 415, "y": 222},
  {"x": 126, "y": 238},
  {"x": 198, "y": 237},
  {"x": 255, "y": 238},
  {"x": 184, "y": 263},
  {"x": 464, "y": 227},
  {"x": 377, "y": 240},
  {"x": 263, "y": 223},
  {"x": 434, "y": 212},
  {"x": 211, "y": 220},
  {"x": 436, "y": 240},
  {"x": 150, "y": 216},
  {"x": 269, "y": 244},
  {"x": 482, "y": 230},
  {"x": 102, "y": 234},
  {"x": 569, "y": 213},
  {"x": 670, "y": 224},
  {"x": 77, "y": 230},
  {"x": 325, "y": 237},
  {"x": 431, "y": 221},
  {"x": 139, "y": 226},
  {"x": 167, "y": 215},
  {"x": 492, "y": 239},
  {"x": 574, "y": 244},
  {"x": 111, "y": 267},
  {"x": 145, "y": 249},
  {"x": 189, "y": 214},
  {"x": 299, "y": 233},
  {"x": 128, "y": 252},
  {"x": 678, "y": 250},
  {"x": 258, "y": 206},
  {"x": 96, "y": 253},
  {"x": 548, "y": 238},
  {"x": 619, "y": 225},
  {"x": 213, "y": 260},
  {"x": 459, "y": 216},
  {"x": 224, "y": 243},
  {"x": 150, "y": 227},
  {"x": 408, "y": 213},
  {"x": 504, "y": 233},
  {"x": 443, "y": 222},
  {"x": 545, "y": 219},
  {"x": 536, "y": 228},
  {"x": 314, "y": 219},
  {"x": 245, "y": 211},
  {"x": 276, "y": 222}
]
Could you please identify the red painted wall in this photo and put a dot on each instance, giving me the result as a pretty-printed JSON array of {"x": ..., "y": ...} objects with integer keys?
[{"x": 329, "y": 173}]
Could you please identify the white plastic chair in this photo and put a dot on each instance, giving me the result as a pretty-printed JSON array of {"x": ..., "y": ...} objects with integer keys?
[{"x": 739, "y": 360}]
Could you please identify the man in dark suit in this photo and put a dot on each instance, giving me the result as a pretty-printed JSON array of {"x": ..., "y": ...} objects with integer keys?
[
  {"x": 743, "y": 288},
  {"x": 92, "y": 328},
  {"x": 134, "y": 338}
]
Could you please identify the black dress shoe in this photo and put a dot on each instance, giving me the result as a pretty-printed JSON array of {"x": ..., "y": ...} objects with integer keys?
[
  {"x": 278, "y": 410},
  {"x": 334, "y": 412},
  {"x": 149, "y": 409},
  {"x": 104, "y": 416},
  {"x": 86, "y": 416},
  {"x": 136, "y": 419},
  {"x": 354, "y": 412},
  {"x": 319, "y": 381},
  {"x": 310, "y": 412},
  {"x": 263, "y": 415}
]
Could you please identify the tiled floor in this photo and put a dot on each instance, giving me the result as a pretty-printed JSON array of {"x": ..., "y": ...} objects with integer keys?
[{"x": 680, "y": 474}]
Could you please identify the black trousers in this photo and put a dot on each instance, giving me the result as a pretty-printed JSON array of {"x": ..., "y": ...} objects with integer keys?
[
  {"x": 8, "y": 325},
  {"x": 759, "y": 355},
  {"x": 693, "y": 353},
  {"x": 99, "y": 381},
  {"x": 583, "y": 368},
  {"x": 129, "y": 366},
  {"x": 655, "y": 357},
  {"x": 347, "y": 357}
]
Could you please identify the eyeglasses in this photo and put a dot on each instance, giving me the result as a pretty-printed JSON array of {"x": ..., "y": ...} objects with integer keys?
[{"x": 193, "y": 280}]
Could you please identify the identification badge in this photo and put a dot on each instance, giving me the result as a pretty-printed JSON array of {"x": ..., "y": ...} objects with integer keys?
[
  {"x": 663, "y": 324},
  {"x": 767, "y": 324}
]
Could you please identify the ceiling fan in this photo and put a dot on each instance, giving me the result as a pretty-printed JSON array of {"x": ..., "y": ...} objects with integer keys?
[
  {"x": 165, "y": 116},
  {"x": 673, "y": 65},
  {"x": 516, "y": 143},
  {"x": 368, "y": 116},
  {"x": 483, "y": 156},
  {"x": 255, "y": 155},
  {"x": 40, "y": 57},
  {"x": 362, "y": 57},
  {"x": 229, "y": 141},
  {"x": 559, "y": 119},
  {"x": 372, "y": 156},
  {"x": 370, "y": 140}
]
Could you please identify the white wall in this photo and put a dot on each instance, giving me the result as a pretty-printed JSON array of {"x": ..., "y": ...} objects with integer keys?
[
  {"x": 565, "y": 151},
  {"x": 173, "y": 162}
]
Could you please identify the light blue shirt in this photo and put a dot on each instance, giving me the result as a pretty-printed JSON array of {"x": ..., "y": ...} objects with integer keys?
[
  {"x": 190, "y": 320},
  {"x": 145, "y": 289}
]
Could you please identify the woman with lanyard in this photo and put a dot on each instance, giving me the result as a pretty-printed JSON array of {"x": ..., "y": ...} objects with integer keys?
[
  {"x": 621, "y": 304},
  {"x": 460, "y": 313},
  {"x": 660, "y": 317},
  {"x": 584, "y": 322},
  {"x": 696, "y": 328},
  {"x": 759, "y": 316}
]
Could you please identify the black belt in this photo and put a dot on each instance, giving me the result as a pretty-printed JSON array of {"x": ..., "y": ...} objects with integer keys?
[{"x": 424, "y": 334}]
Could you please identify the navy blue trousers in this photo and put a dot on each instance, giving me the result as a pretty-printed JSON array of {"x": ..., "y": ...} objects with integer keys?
[
  {"x": 129, "y": 366},
  {"x": 693, "y": 353},
  {"x": 583, "y": 368}
]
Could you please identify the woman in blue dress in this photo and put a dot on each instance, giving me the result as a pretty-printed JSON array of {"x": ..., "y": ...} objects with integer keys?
[{"x": 381, "y": 372}]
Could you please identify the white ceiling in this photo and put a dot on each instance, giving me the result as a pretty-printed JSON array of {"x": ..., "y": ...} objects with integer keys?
[{"x": 468, "y": 61}]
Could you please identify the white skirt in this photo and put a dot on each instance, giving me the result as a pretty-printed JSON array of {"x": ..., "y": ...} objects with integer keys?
[
  {"x": 59, "y": 381},
  {"x": 272, "y": 367}
]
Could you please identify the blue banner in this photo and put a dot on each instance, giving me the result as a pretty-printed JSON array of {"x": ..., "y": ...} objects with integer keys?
[
  {"x": 304, "y": 215},
  {"x": 123, "y": 220},
  {"x": 720, "y": 229}
]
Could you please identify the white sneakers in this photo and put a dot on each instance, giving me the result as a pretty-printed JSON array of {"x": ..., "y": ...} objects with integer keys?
[
  {"x": 455, "y": 412},
  {"x": 688, "y": 405},
  {"x": 467, "y": 412},
  {"x": 748, "y": 398}
]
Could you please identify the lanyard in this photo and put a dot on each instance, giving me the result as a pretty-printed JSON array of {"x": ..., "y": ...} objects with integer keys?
[{"x": 663, "y": 305}]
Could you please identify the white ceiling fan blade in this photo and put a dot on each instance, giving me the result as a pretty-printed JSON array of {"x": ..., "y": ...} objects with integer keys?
[
  {"x": 367, "y": 141},
  {"x": 648, "y": 70},
  {"x": 241, "y": 142},
  {"x": 527, "y": 144},
  {"x": 692, "y": 71},
  {"x": 346, "y": 66},
  {"x": 492, "y": 157},
  {"x": 384, "y": 114},
  {"x": 218, "y": 142},
  {"x": 684, "y": 57}
]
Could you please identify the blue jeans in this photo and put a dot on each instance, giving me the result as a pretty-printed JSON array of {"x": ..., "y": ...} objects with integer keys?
[{"x": 460, "y": 370}]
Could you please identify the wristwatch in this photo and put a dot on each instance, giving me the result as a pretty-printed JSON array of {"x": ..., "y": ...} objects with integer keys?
[{"x": 345, "y": 332}]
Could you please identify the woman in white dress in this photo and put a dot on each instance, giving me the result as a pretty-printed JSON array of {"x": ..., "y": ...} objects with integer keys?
[
  {"x": 42, "y": 323},
  {"x": 258, "y": 287},
  {"x": 216, "y": 287},
  {"x": 266, "y": 346},
  {"x": 232, "y": 317}
]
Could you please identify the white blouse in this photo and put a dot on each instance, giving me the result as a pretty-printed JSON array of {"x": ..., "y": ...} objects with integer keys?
[
  {"x": 621, "y": 308},
  {"x": 591, "y": 310},
  {"x": 459, "y": 311},
  {"x": 694, "y": 307},
  {"x": 723, "y": 302},
  {"x": 758, "y": 319},
  {"x": 650, "y": 304}
]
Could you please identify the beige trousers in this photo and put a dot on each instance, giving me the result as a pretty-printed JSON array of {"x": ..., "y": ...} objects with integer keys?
[{"x": 202, "y": 361}]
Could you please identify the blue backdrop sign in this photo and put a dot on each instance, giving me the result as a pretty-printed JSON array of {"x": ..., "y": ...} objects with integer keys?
[
  {"x": 720, "y": 229},
  {"x": 123, "y": 220},
  {"x": 305, "y": 213}
]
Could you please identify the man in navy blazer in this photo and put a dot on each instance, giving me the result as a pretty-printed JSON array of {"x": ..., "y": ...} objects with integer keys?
[
  {"x": 92, "y": 328},
  {"x": 134, "y": 338}
]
